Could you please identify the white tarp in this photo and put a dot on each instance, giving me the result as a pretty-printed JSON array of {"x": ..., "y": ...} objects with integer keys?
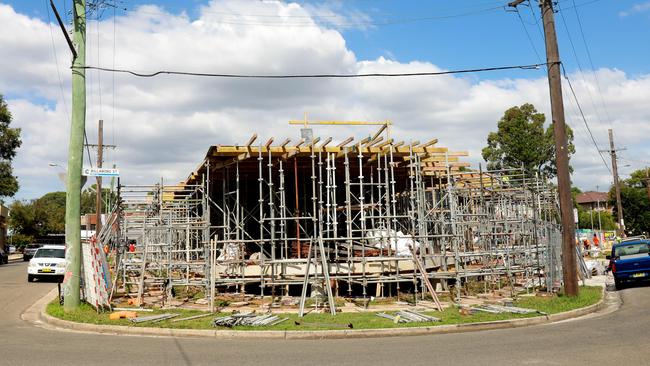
[
  {"x": 96, "y": 275},
  {"x": 399, "y": 243}
]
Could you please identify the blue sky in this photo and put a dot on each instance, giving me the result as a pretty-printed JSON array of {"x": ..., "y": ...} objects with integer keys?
[
  {"x": 349, "y": 36},
  {"x": 477, "y": 33}
]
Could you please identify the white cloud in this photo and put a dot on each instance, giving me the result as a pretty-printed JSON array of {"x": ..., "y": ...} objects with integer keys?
[
  {"x": 164, "y": 125},
  {"x": 635, "y": 9}
]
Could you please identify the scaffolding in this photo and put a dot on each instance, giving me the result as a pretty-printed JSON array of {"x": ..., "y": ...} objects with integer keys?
[{"x": 375, "y": 218}]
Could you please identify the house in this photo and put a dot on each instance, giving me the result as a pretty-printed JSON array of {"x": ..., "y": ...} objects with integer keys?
[{"x": 592, "y": 200}]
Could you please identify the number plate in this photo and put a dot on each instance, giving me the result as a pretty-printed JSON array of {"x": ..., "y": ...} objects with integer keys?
[
  {"x": 46, "y": 270},
  {"x": 637, "y": 275}
]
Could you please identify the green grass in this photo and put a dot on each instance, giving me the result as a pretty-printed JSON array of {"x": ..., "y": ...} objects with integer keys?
[{"x": 368, "y": 320}]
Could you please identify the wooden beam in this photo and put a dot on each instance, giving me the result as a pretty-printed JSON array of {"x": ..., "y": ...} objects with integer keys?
[{"x": 345, "y": 142}]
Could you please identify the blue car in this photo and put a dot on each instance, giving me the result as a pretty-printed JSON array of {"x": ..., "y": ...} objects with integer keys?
[{"x": 630, "y": 261}]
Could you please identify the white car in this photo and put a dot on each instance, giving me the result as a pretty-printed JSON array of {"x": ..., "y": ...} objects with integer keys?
[{"x": 48, "y": 261}]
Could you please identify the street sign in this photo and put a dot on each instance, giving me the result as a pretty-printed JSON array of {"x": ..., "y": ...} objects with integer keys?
[{"x": 101, "y": 172}]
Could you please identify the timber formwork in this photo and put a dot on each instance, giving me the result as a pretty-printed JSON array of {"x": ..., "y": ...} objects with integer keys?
[{"x": 375, "y": 218}]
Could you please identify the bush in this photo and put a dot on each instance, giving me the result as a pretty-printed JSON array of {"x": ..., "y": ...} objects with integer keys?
[{"x": 20, "y": 240}]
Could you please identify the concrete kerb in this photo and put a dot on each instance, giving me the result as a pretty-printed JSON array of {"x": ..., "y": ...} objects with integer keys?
[{"x": 37, "y": 314}]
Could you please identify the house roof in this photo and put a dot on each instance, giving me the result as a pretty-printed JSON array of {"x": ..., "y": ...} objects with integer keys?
[{"x": 591, "y": 196}]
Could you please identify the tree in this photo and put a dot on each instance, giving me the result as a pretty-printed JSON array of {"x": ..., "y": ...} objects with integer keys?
[
  {"x": 9, "y": 143},
  {"x": 46, "y": 215},
  {"x": 521, "y": 139},
  {"x": 635, "y": 202},
  {"x": 589, "y": 218}
]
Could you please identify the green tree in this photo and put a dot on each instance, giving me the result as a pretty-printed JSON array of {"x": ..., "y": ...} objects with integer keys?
[
  {"x": 9, "y": 144},
  {"x": 635, "y": 202},
  {"x": 521, "y": 139},
  {"x": 46, "y": 215},
  {"x": 587, "y": 218}
]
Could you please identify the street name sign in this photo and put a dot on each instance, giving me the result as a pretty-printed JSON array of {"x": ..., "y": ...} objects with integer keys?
[{"x": 101, "y": 172}]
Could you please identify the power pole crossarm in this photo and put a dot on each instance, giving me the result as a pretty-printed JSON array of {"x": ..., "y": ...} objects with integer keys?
[
  {"x": 514, "y": 4},
  {"x": 569, "y": 267}
]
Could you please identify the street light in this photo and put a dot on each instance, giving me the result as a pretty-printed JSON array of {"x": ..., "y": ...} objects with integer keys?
[{"x": 63, "y": 176}]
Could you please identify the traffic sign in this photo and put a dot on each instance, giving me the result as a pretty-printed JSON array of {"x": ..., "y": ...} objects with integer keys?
[{"x": 101, "y": 172}]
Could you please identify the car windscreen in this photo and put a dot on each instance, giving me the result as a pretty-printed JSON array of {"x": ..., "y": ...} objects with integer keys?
[
  {"x": 50, "y": 253},
  {"x": 631, "y": 249}
]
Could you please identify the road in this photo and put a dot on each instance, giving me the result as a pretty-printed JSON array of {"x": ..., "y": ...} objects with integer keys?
[{"x": 591, "y": 340}]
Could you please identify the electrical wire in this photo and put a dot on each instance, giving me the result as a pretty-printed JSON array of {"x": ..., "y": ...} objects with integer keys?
[
  {"x": 591, "y": 63},
  {"x": 373, "y": 23},
  {"x": 575, "y": 97},
  {"x": 56, "y": 61},
  {"x": 530, "y": 39},
  {"x": 582, "y": 73},
  {"x": 313, "y": 76},
  {"x": 90, "y": 162}
]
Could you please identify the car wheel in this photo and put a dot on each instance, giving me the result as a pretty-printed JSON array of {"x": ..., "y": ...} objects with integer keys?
[{"x": 618, "y": 284}]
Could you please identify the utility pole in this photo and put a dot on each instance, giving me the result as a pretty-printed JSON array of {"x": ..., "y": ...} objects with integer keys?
[
  {"x": 100, "y": 161},
  {"x": 569, "y": 260},
  {"x": 617, "y": 186},
  {"x": 100, "y": 158},
  {"x": 600, "y": 226},
  {"x": 71, "y": 291},
  {"x": 647, "y": 181}
]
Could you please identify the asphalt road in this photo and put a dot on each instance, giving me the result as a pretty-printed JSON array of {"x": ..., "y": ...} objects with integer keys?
[{"x": 618, "y": 338}]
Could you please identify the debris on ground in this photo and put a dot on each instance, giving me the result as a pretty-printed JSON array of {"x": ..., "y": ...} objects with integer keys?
[
  {"x": 238, "y": 304},
  {"x": 132, "y": 309},
  {"x": 248, "y": 319},
  {"x": 409, "y": 316},
  {"x": 192, "y": 317},
  {"x": 498, "y": 309},
  {"x": 326, "y": 325},
  {"x": 123, "y": 315},
  {"x": 154, "y": 318}
]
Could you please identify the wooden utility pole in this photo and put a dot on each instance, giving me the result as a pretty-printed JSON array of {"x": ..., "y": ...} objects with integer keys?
[
  {"x": 617, "y": 186},
  {"x": 647, "y": 181},
  {"x": 71, "y": 291},
  {"x": 569, "y": 260},
  {"x": 100, "y": 159}
]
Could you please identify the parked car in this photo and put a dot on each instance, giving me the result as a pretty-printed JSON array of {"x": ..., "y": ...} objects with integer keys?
[
  {"x": 29, "y": 251},
  {"x": 4, "y": 256},
  {"x": 630, "y": 261},
  {"x": 48, "y": 261}
]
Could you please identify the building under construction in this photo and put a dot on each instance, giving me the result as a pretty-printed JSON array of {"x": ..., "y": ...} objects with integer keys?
[{"x": 375, "y": 217}]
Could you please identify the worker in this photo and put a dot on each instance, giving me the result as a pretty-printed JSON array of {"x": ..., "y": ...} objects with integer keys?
[
  {"x": 131, "y": 247},
  {"x": 596, "y": 241}
]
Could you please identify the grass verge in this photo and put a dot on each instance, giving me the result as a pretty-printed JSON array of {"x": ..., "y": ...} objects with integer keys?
[{"x": 589, "y": 295}]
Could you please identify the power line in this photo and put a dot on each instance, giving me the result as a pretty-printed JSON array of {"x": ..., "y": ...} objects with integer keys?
[
  {"x": 530, "y": 39},
  {"x": 312, "y": 23},
  {"x": 591, "y": 63},
  {"x": 582, "y": 73},
  {"x": 56, "y": 62},
  {"x": 575, "y": 97},
  {"x": 313, "y": 76}
]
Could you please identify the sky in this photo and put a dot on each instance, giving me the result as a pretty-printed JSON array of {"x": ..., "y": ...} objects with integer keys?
[{"x": 163, "y": 126}]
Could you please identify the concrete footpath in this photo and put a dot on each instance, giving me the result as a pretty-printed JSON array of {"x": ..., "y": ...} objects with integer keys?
[{"x": 37, "y": 315}]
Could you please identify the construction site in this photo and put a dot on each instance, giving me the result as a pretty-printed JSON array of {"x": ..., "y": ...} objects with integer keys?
[{"x": 301, "y": 223}]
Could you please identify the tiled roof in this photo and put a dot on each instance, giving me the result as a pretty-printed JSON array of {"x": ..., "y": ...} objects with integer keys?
[{"x": 588, "y": 197}]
